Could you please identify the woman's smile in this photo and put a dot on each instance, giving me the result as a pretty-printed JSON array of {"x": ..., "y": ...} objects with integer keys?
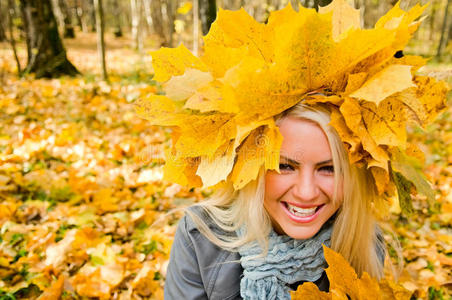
[{"x": 300, "y": 212}]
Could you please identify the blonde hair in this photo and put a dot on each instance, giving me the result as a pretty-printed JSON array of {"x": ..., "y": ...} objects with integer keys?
[{"x": 354, "y": 233}]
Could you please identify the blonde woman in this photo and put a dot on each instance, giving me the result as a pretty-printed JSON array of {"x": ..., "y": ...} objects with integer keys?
[
  {"x": 276, "y": 225},
  {"x": 299, "y": 123}
]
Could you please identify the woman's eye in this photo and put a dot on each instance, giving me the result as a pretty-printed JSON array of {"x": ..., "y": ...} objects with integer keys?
[
  {"x": 327, "y": 169},
  {"x": 285, "y": 167}
]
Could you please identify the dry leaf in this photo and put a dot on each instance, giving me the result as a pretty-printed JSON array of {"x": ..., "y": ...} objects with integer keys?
[{"x": 345, "y": 284}]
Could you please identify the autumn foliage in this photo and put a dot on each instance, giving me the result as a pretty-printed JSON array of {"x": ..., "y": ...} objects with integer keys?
[{"x": 81, "y": 184}]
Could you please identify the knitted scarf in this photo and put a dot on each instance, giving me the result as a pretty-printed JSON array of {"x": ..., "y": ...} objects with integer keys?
[{"x": 288, "y": 261}]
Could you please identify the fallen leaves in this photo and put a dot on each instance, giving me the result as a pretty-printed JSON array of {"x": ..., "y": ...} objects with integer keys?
[{"x": 80, "y": 185}]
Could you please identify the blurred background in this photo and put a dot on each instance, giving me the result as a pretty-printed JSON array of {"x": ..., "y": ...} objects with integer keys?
[{"x": 83, "y": 207}]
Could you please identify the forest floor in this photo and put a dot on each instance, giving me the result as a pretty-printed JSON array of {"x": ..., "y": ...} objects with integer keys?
[{"x": 81, "y": 185}]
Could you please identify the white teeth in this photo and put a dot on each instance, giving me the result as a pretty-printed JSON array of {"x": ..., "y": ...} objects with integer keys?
[{"x": 301, "y": 212}]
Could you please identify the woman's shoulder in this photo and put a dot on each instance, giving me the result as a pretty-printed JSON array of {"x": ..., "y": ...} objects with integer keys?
[
  {"x": 191, "y": 226},
  {"x": 218, "y": 268}
]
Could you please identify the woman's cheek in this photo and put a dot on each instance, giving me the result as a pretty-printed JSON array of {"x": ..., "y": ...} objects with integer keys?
[{"x": 274, "y": 186}]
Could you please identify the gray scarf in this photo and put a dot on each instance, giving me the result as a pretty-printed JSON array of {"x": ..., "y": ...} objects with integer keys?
[{"x": 288, "y": 261}]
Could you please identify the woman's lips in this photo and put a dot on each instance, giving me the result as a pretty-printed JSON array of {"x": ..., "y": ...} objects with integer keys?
[{"x": 299, "y": 214}]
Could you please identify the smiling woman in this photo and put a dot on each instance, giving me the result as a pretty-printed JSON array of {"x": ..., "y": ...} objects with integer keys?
[
  {"x": 299, "y": 125},
  {"x": 275, "y": 226}
]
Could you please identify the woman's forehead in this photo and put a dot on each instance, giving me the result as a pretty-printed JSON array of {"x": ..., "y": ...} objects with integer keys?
[{"x": 303, "y": 139}]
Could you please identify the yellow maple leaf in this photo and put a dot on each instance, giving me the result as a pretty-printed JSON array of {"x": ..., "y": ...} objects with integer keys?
[
  {"x": 393, "y": 79},
  {"x": 430, "y": 93},
  {"x": 181, "y": 170},
  {"x": 159, "y": 110},
  {"x": 216, "y": 169},
  {"x": 203, "y": 134},
  {"x": 386, "y": 123},
  {"x": 184, "y": 86},
  {"x": 236, "y": 29},
  {"x": 345, "y": 284},
  {"x": 211, "y": 98},
  {"x": 309, "y": 291},
  {"x": 260, "y": 148},
  {"x": 344, "y": 17},
  {"x": 250, "y": 72},
  {"x": 381, "y": 177},
  {"x": 168, "y": 62}
]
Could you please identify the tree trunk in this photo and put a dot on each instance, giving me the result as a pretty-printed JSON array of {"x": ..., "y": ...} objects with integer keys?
[
  {"x": 78, "y": 10},
  {"x": 195, "y": 26},
  {"x": 148, "y": 16},
  {"x": 443, "y": 38},
  {"x": 136, "y": 24},
  {"x": 2, "y": 27},
  {"x": 116, "y": 16},
  {"x": 46, "y": 53},
  {"x": 207, "y": 13},
  {"x": 432, "y": 18},
  {"x": 171, "y": 6},
  {"x": 67, "y": 19},
  {"x": 449, "y": 36},
  {"x": 100, "y": 36},
  {"x": 11, "y": 34},
  {"x": 90, "y": 14},
  {"x": 157, "y": 20}
]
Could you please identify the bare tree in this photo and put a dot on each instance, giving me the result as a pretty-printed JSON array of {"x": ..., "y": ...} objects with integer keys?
[
  {"x": 78, "y": 12},
  {"x": 157, "y": 20},
  {"x": 449, "y": 36},
  {"x": 136, "y": 7},
  {"x": 444, "y": 35},
  {"x": 46, "y": 53},
  {"x": 2, "y": 27},
  {"x": 432, "y": 18},
  {"x": 195, "y": 27},
  {"x": 207, "y": 13},
  {"x": 90, "y": 14},
  {"x": 11, "y": 34},
  {"x": 63, "y": 17},
  {"x": 67, "y": 19},
  {"x": 100, "y": 36},
  {"x": 171, "y": 6},
  {"x": 117, "y": 20}
]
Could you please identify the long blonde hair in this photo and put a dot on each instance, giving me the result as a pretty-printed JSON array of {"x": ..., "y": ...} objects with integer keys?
[{"x": 354, "y": 233}]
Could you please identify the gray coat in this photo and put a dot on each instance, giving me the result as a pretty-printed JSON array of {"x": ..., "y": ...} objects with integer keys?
[{"x": 199, "y": 269}]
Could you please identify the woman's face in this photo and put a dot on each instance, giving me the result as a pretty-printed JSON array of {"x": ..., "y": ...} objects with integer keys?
[{"x": 299, "y": 199}]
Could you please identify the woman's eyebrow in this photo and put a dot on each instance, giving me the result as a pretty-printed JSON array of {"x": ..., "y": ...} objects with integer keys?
[
  {"x": 296, "y": 163},
  {"x": 325, "y": 162}
]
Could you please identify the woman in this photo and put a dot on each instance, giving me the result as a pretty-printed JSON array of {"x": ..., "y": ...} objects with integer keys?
[
  {"x": 317, "y": 197},
  {"x": 302, "y": 122}
]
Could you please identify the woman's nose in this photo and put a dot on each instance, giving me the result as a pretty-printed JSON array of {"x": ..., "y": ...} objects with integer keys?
[{"x": 305, "y": 187}]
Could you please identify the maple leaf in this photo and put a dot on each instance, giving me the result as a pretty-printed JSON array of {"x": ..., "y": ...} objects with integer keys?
[
  {"x": 345, "y": 283},
  {"x": 393, "y": 79},
  {"x": 345, "y": 17},
  {"x": 250, "y": 72},
  {"x": 168, "y": 62}
]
